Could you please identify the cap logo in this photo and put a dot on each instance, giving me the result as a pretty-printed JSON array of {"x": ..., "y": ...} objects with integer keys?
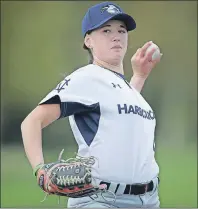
[{"x": 111, "y": 9}]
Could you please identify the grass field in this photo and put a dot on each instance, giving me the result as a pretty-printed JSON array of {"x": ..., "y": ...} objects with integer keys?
[{"x": 178, "y": 186}]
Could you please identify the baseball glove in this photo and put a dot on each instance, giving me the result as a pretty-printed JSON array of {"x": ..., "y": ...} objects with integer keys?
[{"x": 69, "y": 178}]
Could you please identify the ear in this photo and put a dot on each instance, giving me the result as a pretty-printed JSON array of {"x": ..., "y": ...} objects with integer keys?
[{"x": 87, "y": 41}]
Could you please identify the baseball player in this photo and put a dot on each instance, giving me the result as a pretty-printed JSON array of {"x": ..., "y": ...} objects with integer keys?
[{"x": 109, "y": 117}]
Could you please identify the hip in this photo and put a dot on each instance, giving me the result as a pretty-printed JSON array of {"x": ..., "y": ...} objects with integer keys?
[{"x": 118, "y": 199}]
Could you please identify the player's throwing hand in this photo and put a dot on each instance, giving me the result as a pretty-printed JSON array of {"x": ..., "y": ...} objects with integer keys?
[{"x": 142, "y": 62}]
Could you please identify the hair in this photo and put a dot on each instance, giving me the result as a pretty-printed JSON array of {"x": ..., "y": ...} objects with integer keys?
[
  {"x": 91, "y": 59},
  {"x": 89, "y": 53}
]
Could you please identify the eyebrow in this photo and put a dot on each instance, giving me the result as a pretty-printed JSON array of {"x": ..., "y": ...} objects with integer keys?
[{"x": 122, "y": 26}]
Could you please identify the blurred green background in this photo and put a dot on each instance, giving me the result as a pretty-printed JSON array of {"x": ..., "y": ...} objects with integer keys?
[{"x": 41, "y": 42}]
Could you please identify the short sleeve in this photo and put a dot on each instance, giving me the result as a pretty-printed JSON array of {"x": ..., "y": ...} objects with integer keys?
[{"x": 75, "y": 93}]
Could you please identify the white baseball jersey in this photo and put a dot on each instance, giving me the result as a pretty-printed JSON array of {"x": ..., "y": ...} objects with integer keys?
[{"x": 111, "y": 121}]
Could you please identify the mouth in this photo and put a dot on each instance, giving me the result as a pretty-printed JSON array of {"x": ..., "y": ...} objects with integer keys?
[{"x": 117, "y": 47}]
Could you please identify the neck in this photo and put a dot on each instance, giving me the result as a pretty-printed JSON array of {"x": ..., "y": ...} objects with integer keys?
[{"x": 118, "y": 68}]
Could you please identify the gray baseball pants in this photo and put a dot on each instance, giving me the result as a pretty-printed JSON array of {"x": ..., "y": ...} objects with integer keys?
[{"x": 147, "y": 200}]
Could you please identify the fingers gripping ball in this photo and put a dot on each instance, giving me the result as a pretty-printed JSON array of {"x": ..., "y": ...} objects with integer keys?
[
  {"x": 156, "y": 55},
  {"x": 70, "y": 178}
]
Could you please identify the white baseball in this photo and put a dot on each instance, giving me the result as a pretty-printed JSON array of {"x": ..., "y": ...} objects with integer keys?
[{"x": 156, "y": 54}]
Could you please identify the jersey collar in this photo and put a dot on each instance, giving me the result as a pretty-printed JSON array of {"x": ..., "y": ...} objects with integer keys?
[{"x": 118, "y": 74}]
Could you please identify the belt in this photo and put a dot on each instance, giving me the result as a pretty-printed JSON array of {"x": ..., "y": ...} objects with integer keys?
[{"x": 134, "y": 189}]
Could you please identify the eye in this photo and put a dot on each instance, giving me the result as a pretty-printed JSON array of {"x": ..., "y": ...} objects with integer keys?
[
  {"x": 122, "y": 31},
  {"x": 106, "y": 31}
]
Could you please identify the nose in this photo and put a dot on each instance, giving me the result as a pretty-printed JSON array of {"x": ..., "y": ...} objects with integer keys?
[{"x": 116, "y": 38}]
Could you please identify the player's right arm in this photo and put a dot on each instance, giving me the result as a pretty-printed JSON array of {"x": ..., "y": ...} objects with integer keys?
[
  {"x": 31, "y": 129},
  {"x": 73, "y": 95}
]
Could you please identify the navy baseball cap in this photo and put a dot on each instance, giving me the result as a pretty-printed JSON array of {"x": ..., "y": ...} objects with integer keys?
[{"x": 99, "y": 14}]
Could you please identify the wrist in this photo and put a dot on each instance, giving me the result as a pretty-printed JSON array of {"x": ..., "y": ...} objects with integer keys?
[
  {"x": 141, "y": 77},
  {"x": 36, "y": 168},
  {"x": 137, "y": 82}
]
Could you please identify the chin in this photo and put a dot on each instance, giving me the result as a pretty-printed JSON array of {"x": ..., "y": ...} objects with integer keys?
[
  {"x": 116, "y": 60},
  {"x": 118, "y": 55}
]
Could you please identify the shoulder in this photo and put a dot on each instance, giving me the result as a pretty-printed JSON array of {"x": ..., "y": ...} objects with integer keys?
[
  {"x": 89, "y": 70},
  {"x": 83, "y": 77},
  {"x": 88, "y": 73}
]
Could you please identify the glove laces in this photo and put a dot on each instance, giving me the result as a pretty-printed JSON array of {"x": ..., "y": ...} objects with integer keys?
[{"x": 87, "y": 162}]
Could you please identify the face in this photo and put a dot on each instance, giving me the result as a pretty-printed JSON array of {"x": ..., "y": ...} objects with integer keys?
[{"x": 109, "y": 42}]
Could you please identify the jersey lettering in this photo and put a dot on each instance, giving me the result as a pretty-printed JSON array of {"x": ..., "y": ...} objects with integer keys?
[{"x": 124, "y": 109}]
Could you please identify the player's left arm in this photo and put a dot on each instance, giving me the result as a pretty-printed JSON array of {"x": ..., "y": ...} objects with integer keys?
[{"x": 142, "y": 65}]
